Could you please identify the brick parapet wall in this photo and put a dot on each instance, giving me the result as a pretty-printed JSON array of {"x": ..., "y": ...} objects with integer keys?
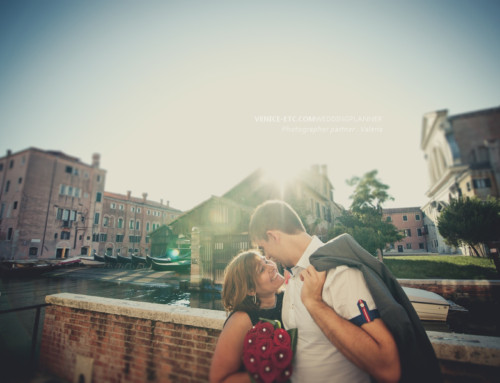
[
  {"x": 125, "y": 341},
  {"x": 128, "y": 341}
]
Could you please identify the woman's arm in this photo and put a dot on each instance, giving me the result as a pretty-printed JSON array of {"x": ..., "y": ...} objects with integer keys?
[{"x": 227, "y": 358}]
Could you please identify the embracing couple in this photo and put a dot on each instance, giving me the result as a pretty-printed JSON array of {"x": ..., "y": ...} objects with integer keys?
[{"x": 354, "y": 322}]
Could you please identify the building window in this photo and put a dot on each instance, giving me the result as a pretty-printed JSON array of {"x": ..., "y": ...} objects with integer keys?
[
  {"x": 98, "y": 178},
  {"x": 137, "y": 225},
  {"x": 147, "y": 226},
  {"x": 405, "y": 218},
  {"x": 11, "y": 164},
  {"x": 408, "y": 232},
  {"x": 65, "y": 234},
  {"x": 96, "y": 219},
  {"x": 103, "y": 237},
  {"x": 119, "y": 237},
  {"x": 421, "y": 245},
  {"x": 388, "y": 218},
  {"x": 481, "y": 183},
  {"x": 468, "y": 186},
  {"x": 70, "y": 190},
  {"x": 120, "y": 223},
  {"x": 69, "y": 169},
  {"x": 121, "y": 207},
  {"x": 419, "y": 232},
  {"x": 33, "y": 251},
  {"x": 1, "y": 167},
  {"x": 149, "y": 212},
  {"x": 417, "y": 217},
  {"x": 138, "y": 209},
  {"x": 7, "y": 186},
  {"x": 132, "y": 209},
  {"x": 408, "y": 245},
  {"x": 98, "y": 197},
  {"x": 15, "y": 205},
  {"x": 112, "y": 205},
  {"x": 2, "y": 208},
  {"x": 9, "y": 234},
  {"x": 105, "y": 221},
  {"x": 62, "y": 189},
  {"x": 131, "y": 224},
  {"x": 134, "y": 238},
  {"x": 20, "y": 181}
]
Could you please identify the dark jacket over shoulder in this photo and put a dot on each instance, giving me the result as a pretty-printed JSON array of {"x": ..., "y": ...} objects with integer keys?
[{"x": 417, "y": 357}]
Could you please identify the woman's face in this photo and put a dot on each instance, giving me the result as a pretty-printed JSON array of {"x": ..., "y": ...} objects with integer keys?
[{"x": 267, "y": 278}]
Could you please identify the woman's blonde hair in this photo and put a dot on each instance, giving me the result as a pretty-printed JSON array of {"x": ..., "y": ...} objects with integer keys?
[{"x": 239, "y": 280}]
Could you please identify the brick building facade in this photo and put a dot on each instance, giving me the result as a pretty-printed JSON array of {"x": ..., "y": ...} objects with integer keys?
[
  {"x": 52, "y": 205},
  {"x": 410, "y": 222},
  {"x": 126, "y": 221},
  {"x": 46, "y": 201}
]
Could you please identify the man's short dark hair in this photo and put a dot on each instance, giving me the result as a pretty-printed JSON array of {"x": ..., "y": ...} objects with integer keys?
[{"x": 274, "y": 215}]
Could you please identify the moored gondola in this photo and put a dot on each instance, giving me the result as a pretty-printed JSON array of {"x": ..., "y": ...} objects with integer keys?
[{"x": 179, "y": 266}]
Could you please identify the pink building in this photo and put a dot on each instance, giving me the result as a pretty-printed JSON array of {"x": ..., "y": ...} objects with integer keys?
[
  {"x": 47, "y": 201},
  {"x": 410, "y": 222}
]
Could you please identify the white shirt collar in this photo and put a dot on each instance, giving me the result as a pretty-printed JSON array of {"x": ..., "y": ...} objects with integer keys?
[{"x": 303, "y": 262}]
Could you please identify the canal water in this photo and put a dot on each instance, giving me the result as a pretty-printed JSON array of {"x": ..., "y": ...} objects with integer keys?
[{"x": 16, "y": 329}]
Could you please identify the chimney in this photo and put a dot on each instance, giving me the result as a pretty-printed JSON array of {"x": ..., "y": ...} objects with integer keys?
[
  {"x": 161, "y": 201},
  {"x": 128, "y": 194},
  {"x": 168, "y": 203},
  {"x": 96, "y": 160},
  {"x": 144, "y": 196},
  {"x": 9, "y": 152}
]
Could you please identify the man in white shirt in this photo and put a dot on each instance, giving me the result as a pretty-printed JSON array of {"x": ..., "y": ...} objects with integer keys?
[{"x": 341, "y": 338}]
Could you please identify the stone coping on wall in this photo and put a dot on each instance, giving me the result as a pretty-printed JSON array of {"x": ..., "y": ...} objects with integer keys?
[
  {"x": 452, "y": 282},
  {"x": 152, "y": 311},
  {"x": 463, "y": 348}
]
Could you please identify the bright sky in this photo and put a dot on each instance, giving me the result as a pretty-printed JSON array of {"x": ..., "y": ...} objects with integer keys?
[{"x": 170, "y": 92}]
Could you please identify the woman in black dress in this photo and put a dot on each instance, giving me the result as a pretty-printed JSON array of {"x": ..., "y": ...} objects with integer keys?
[{"x": 251, "y": 291}]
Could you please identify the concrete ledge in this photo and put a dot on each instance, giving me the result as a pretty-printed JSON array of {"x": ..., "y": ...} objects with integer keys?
[
  {"x": 452, "y": 282},
  {"x": 153, "y": 311},
  {"x": 474, "y": 349}
]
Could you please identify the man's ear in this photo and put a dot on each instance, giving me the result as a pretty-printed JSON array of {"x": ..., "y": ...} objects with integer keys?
[{"x": 273, "y": 235}]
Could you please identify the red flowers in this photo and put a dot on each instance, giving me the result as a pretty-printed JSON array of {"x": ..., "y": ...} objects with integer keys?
[{"x": 268, "y": 352}]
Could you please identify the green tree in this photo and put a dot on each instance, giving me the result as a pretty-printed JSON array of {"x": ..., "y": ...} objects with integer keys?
[
  {"x": 471, "y": 222},
  {"x": 364, "y": 219}
]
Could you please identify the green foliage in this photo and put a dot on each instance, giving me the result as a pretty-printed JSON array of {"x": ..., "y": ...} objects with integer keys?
[
  {"x": 470, "y": 222},
  {"x": 364, "y": 220},
  {"x": 369, "y": 193}
]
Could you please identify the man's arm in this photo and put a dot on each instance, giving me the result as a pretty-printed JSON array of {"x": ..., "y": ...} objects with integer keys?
[{"x": 371, "y": 347}]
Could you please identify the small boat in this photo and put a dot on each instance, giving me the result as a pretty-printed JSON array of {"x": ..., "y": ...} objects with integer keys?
[
  {"x": 27, "y": 268},
  {"x": 428, "y": 305},
  {"x": 183, "y": 265},
  {"x": 110, "y": 259},
  {"x": 138, "y": 260},
  {"x": 99, "y": 258},
  {"x": 90, "y": 261},
  {"x": 123, "y": 259}
]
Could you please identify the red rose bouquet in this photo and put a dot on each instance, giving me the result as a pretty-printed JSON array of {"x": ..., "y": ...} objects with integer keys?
[{"x": 268, "y": 352}]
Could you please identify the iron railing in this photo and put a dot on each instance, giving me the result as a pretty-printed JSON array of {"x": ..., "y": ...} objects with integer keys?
[{"x": 35, "y": 325}]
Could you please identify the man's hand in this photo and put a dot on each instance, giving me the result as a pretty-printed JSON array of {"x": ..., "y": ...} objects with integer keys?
[{"x": 313, "y": 286}]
